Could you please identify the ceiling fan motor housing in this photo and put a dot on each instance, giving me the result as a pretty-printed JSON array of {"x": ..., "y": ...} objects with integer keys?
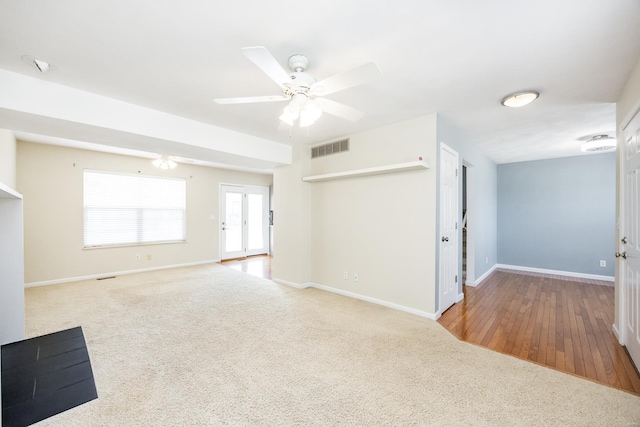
[
  {"x": 298, "y": 62},
  {"x": 300, "y": 83}
]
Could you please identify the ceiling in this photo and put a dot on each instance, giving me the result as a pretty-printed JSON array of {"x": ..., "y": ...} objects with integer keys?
[{"x": 458, "y": 58}]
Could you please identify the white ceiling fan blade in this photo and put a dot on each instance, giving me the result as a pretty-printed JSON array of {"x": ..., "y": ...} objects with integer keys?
[
  {"x": 362, "y": 74},
  {"x": 267, "y": 63},
  {"x": 339, "y": 110},
  {"x": 251, "y": 99}
]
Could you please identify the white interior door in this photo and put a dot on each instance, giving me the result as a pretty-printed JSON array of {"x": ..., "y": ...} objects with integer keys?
[
  {"x": 448, "y": 282},
  {"x": 629, "y": 252},
  {"x": 244, "y": 221}
]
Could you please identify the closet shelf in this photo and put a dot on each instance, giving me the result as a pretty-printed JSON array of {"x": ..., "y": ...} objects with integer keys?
[{"x": 378, "y": 170}]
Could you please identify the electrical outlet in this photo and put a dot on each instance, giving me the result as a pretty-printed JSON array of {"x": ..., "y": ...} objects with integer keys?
[
  {"x": 486, "y": 260},
  {"x": 148, "y": 257},
  {"x": 603, "y": 263},
  {"x": 355, "y": 277},
  {"x": 345, "y": 275},
  {"x": 137, "y": 257}
]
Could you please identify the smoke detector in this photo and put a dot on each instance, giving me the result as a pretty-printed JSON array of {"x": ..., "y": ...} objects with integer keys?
[{"x": 42, "y": 66}]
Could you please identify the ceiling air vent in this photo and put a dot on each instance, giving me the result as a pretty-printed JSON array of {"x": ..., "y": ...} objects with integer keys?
[{"x": 330, "y": 148}]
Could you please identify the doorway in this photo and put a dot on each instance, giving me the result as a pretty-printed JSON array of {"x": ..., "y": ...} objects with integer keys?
[{"x": 244, "y": 221}]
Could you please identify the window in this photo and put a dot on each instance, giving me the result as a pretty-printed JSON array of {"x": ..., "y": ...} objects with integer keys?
[{"x": 122, "y": 209}]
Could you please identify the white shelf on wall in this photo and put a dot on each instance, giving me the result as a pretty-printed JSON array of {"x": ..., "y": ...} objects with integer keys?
[
  {"x": 378, "y": 170},
  {"x": 8, "y": 193}
]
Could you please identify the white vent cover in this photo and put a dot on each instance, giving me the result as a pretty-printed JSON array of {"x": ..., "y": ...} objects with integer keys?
[{"x": 330, "y": 148}]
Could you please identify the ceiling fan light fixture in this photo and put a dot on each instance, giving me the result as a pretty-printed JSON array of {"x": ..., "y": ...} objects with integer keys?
[
  {"x": 309, "y": 113},
  {"x": 290, "y": 113},
  {"x": 599, "y": 143},
  {"x": 287, "y": 118},
  {"x": 520, "y": 99},
  {"x": 164, "y": 162}
]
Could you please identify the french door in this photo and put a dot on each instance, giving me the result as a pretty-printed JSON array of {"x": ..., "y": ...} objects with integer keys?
[{"x": 244, "y": 221}]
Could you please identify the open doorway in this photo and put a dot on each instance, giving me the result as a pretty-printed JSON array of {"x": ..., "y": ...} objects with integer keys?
[
  {"x": 464, "y": 224},
  {"x": 467, "y": 234}
]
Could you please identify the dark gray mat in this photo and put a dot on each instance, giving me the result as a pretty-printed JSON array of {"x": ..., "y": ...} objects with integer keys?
[{"x": 44, "y": 376}]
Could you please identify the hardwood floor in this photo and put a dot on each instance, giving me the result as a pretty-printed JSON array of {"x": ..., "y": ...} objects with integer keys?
[
  {"x": 259, "y": 265},
  {"x": 563, "y": 323}
]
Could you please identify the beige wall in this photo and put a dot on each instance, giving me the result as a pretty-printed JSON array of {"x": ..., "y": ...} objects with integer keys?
[
  {"x": 292, "y": 220},
  {"x": 50, "y": 179},
  {"x": 382, "y": 227},
  {"x": 629, "y": 100},
  {"x": 7, "y": 158}
]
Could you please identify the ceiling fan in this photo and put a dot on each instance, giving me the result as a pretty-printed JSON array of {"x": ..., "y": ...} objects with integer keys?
[{"x": 304, "y": 93}]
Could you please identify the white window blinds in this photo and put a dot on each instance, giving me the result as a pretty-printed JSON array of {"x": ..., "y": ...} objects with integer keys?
[{"x": 122, "y": 209}]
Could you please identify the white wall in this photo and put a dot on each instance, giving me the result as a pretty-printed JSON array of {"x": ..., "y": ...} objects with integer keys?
[
  {"x": 50, "y": 179},
  {"x": 382, "y": 227},
  {"x": 7, "y": 158},
  {"x": 292, "y": 220}
]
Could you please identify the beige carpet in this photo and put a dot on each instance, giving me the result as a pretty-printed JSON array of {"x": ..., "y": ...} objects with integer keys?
[{"x": 209, "y": 345}]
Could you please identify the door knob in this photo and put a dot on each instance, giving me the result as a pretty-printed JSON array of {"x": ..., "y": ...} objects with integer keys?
[
  {"x": 624, "y": 240},
  {"x": 445, "y": 239},
  {"x": 623, "y": 255}
]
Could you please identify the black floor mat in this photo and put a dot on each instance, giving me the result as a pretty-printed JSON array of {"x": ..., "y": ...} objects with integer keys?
[{"x": 44, "y": 376}]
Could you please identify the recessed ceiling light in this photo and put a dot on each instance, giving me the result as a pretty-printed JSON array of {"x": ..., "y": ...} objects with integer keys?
[
  {"x": 42, "y": 66},
  {"x": 599, "y": 143},
  {"x": 520, "y": 99}
]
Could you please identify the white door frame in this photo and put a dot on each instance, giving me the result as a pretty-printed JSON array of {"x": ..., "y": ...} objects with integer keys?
[{"x": 448, "y": 240}]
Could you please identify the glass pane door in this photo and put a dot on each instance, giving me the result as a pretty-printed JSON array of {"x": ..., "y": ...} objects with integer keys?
[
  {"x": 244, "y": 225},
  {"x": 255, "y": 223},
  {"x": 233, "y": 222}
]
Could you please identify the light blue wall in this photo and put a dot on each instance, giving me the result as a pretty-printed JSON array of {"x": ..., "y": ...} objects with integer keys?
[
  {"x": 558, "y": 214},
  {"x": 483, "y": 171}
]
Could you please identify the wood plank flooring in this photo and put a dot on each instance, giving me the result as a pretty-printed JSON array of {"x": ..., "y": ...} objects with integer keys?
[
  {"x": 258, "y": 265},
  {"x": 560, "y": 322}
]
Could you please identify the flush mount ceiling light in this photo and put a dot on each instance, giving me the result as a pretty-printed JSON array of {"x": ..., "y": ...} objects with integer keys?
[
  {"x": 164, "y": 162},
  {"x": 520, "y": 99},
  {"x": 599, "y": 143},
  {"x": 42, "y": 66}
]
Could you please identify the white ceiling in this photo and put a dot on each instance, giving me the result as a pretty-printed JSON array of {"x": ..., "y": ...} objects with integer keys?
[{"x": 458, "y": 58}]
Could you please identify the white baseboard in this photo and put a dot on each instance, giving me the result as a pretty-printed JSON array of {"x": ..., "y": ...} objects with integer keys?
[
  {"x": 460, "y": 297},
  {"x": 117, "y": 273},
  {"x": 432, "y": 316},
  {"x": 479, "y": 280},
  {"x": 556, "y": 272},
  {"x": 616, "y": 332},
  {"x": 292, "y": 284}
]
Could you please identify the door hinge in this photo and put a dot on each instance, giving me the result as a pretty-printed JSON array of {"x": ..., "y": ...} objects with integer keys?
[
  {"x": 456, "y": 172},
  {"x": 456, "y": 278},
  {"x": 456, "y": 225}
]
